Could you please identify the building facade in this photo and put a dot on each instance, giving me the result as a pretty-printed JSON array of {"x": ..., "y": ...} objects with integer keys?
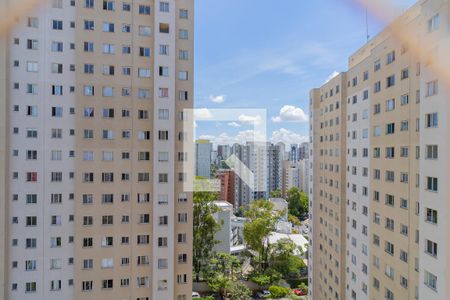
[
  {"x": 227, "y": 185},
  {"x": 203, "y": 155},
  {"x": 93, "y": 94},
  {"x": 389, "y": 152}
]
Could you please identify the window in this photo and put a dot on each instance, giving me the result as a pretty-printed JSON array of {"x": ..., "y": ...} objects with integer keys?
[
  {"x": 404, "y": 125},
  {"x": 163, "y": 71},
  {"x": 390, "y": 58},
  {"x": 87, "y": 286},
  {"x": 57, "y": 24},
  {"x": 403, "y": 203},
  {"x": 377, "y": 65},
  {"x": 30, "y": 287},
  {"x": 33, "y": 22},
  {"x": 431, "y": 120},
  {"x": 183, "y": 34},
  {"x": 390, "y": 152},
  {"x": 430, "y": 280},
  {"x": 405, "y": 73},
  {"x": 163, "y": 114},
  {"x": 108, "y": 48},
  {"x": 163, "y": 6},
  {"x": 144, "y": 72},
  {"x": 390, "y": 128},
  {"x": 183, "y": 55},
  {"x": 389, "y": 248},
  {"x": 32, "y": 44},
  {"x": 390, "y": 200},
  {"x": 404, "y": 151},
  {"x": 144, "y": 9},
  {"x": 183, "y": 75},
  {"x": 32, "y": 111},
  {"x": 183, "y": 95},
  {"x": 433, "y": 23},
  {"x": 404, "y": 99},
  {"x": 88, "y": 47},
  {"x": 163, "y": 178},
  {"x": 432, "y": 88},
  {"x": 89, "y": 25},
  {"x": 390, "y": 104},
  {"x": 431, "y": 152},
  {"x": 57, "y": 112},
  {"x": 431, "y": 248},
  {"x": 163, "y": 28},
  {"x": 184, "y": 14},
  {"x": 431, "y": 216},
  {"x": 89, "y": 90},
  {"x": 377, "y": 87},
  {"x": 144, "y": 31},
  {"x": 32, "y": 66},
  {"x": 432, "y": 184},
  {"x": 126, "y": 28},
  {"x": 108, "y": 5},
  {"x": 163, "y": 135},
  {"x": 377, "y": 131},
  {"x": 390, "y": 81},
  {"x": 390, "y": 177}
]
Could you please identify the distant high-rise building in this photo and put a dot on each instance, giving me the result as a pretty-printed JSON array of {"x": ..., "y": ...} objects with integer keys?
[
  {"x": 291, "y": 176},
  {"x": 293, "y": 153},
  {"x": 304, "y": 175},
  {"x": 224, "y": 151},
  {"x": 203, "y": 150},
  {"x": 379, "y": 139},
  {"x": 92, "y": 95},
  {"x": 303, "y": 151},
  {"x": 227, "y": 185},
  {"x": 264, "y": 160}
]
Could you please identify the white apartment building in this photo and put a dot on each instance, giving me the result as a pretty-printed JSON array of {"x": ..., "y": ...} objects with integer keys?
[
  {"x": 92, "y": 99},
  {"x": 390, "y": 137}
]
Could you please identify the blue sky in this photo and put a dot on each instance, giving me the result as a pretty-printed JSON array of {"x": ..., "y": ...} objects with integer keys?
[{"x": 261, "y": 54}]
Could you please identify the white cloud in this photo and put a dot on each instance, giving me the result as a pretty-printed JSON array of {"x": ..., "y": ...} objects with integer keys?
[
  {"x": 217, "y": 98},
  {"x": 234, "y": 124},
  {"x": 203, "y": 114},
  {"x": 290, "y": 113},
  {"x": 288, "y": 137},
  {"x": 334, "y": 74},
  {"x": 252, "y": 120}
]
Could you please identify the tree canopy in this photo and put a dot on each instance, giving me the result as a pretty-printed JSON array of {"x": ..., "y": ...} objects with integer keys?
[{"x": 205, "y": 228}]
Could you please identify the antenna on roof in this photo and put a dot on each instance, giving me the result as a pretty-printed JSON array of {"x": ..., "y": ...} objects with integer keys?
[{"x": 367, "y": 25}]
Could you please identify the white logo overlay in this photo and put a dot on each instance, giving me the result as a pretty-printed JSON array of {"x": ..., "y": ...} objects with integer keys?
[{"x": 255, "y": 117}]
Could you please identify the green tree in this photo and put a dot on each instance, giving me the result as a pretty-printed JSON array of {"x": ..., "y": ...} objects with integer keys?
[
  {"x": 225, "y": 264},
  {"x": 294, "y": 220},
  {"x": 270, "y": 276},
  {"x": 304, "y": 287},
  {"x": 223, "y": 271},
  {"x": 205, "y": 227},
  {"x": 261, "y": 222},
  {"x": 239, "y": 291},
  {"x": 219, "y": 283},
  {"x": 277, "y": 292},
  {"x": 275, "y": 194},
  {"x": 297, "y": 202},
  {"x": 284, "y": 259}
]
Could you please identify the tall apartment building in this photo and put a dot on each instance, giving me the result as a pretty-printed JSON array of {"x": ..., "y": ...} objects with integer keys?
[
  {"x": 227, "y": 181},
  {"x": 290, "y": 176},
  {"x": 378, "y": 176},
  {"x": 203, "y": 153},
  {"x": 264, "y": 160},
  {"x": 92, "y": 95}
]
